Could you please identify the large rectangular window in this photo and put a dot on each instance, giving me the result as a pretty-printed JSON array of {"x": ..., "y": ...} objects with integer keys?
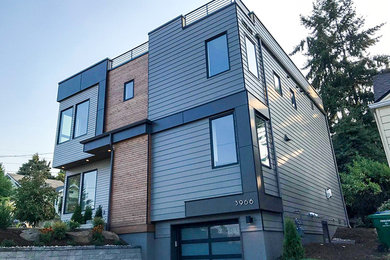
[
  {"x": 89, "y": 189},
  {"x": 72, "y": 193},
  {"x": 217, "y": 55},
  {"x": 81, "y": 119},
  {"x": 251, "y": 57},
  {"x": 65, "y": 125},
  {"x": 262, "y": 140},
  {"x": 277, "y": 84},
  {"x": 223, "y": 141}
]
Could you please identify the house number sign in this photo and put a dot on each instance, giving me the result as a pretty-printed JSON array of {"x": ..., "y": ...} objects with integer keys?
[{"x": 239, "y": 203}]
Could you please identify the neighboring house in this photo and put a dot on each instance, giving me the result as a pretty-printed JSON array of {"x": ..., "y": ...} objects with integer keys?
[
  {"x": 381, "y": 109},
  {"x": 55, "y": 184},
  {"x": 199, "y": 142}
]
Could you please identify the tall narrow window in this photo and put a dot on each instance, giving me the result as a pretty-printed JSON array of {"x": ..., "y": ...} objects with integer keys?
[
  {"x": 65, "y": 125},
  {"x": 251, "y": 57},
  {"x": 72, "y": 193},
  {"x": 277, "y": 84},
  {"x": 223, "y": 141},
  {"x": 293, "y": 100},
  {"x": 81, "y": 119},
  {"x": 217, "y": 55},
  {"x": 89, "y": 189},
  {"x": 129, "y": 90},
  {"x": 262, "y": 140},
  {"x": 312, "y": 105}
]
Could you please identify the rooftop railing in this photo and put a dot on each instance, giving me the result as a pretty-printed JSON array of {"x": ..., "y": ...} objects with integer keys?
[{"x": 130, "y": 55}]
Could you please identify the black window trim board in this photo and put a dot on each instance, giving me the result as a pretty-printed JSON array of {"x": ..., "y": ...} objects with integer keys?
[
  {"x": 124, "y": 90},
  {"x": 280, "y": 91},
  {"x": 247, "y": 60},
  {"x": 259, "y": 115},
  {"x": 293, "y": 99},
  {"x": 75, "y": 116},
  {"x": 59, "y": 126},
  {"x": 228, "y": 53}
]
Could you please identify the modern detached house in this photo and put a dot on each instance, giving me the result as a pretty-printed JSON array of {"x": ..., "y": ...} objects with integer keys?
[{"x": 200, "y": 142}]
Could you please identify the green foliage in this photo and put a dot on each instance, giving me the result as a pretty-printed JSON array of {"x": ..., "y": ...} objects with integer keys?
[
  {"x": 99, "y": 212},
  {"x": 61, "y": 176},
  {"x": 59, "y": 230},
  {"x": 7, "y": 243},
  {"x": 77, "y": 216},
  {"x": 120, "y": 242},
  {"x": 38, "y": 243},
  {"x": 292, "y": 245},
  {"x": 384, "y": 206},
  {"x": 34, "y": 199},
  {"x": 97, "y": 221},
  {"x": 73, "y": 225},
  {"x": 36, "y": 165},
  {"x": 366, "y": 184},
  {"x": 5, "y": 216},
  {"x": 87, "y": 214},
  {"x": 45, "y": 238},
  {"x": 341, "y": 70},
  {"x": 71, "y": 242},
  {"x": 6, "y": 188}
]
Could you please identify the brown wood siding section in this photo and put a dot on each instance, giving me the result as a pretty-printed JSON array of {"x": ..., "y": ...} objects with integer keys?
[{"x": 121, "y": 113}]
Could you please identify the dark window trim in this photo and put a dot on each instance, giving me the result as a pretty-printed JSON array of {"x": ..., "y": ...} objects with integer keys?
[
  {"x": 211, "y": 138},
  {"x": 280, "y": 91},
  {"x": 59, "y": 126},
  {"x": 258, "y": 114},
  {"x": 207, "y": 54},
  {"x": 82, "y": 187},
  {"x": 312, "y": 105},
  {"x": 75, "y": 116},
  {"x": 124, "y": 90},
  {"x": 293, "y": 99},
  {"x": 247, "y": 60},
  {"x": 66, "y": 191}
]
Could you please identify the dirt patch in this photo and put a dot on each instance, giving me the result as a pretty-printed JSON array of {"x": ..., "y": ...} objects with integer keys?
[{"x": 365, "y": 247}]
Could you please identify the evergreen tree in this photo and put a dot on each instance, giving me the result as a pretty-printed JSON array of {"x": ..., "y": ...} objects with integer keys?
[
  {"x": 5, "y": 184},
  {"x": 61, "y": 176},
  {"x": 292, "y": 245},
  {"x": 35, "y": 164},
  {"x": 341, "y": 69}
]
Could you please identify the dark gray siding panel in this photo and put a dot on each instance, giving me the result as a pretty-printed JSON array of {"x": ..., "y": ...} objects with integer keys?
[
  {"x": 181, "y": 170},
  {"x": 177, "y": 64}
]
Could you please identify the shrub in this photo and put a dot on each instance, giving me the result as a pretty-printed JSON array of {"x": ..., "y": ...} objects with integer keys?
[
  {"x": 99, "y": 212},
  {"x": 73, "y": 225},
  {"x": 46, "y": 235},
  {"x": 97, "y": 236},
  {"x": 59, "y": 230},
  {"x": 292, "y": 245},
  {"x": 87, "y": 214},
  {"x": 7, "y": 243},
  {"x": 5, "y": 216},
  {"x": 38, "y": 243},
  {"x": 385, "y": 206},
  {"x": 97, "y": 221},
  {"x": 77, "y": 216}
]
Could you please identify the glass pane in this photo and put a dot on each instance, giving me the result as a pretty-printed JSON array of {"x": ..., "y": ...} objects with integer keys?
[
  {"x": 195, "y": 249},
  {"x": 224, "y": 141},
  {"x": 89, "y": 188},
  {"x": 72, "y": 193},
  {"x": 129, "y": 90},
  {"x": 217, "y": 55},
  {"x": 66, "y": 125},
  {"x": 194, "y": 233},
  {"x": 262, "y": 141},
  {"x": 277, "y": 84},
  {"x": 226, "y": 248},
  {"x": 231, "y": 230},
  {"x": 293, "y": 102},
  {"x": 81, "y": 124},
  {"x": 251, "y": 56}
]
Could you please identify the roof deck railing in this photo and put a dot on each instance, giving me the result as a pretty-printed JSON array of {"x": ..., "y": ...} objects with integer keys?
[{"x": 130, "y": 55}]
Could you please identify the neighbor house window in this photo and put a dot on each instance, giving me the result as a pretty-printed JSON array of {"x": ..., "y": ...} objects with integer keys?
[
  {"x": 262, "y": 140},
  {"x": 88, "y": 190},
  {"x": 251, "y": 57},
  {"x": 72, "y": 193},
  {"x": 277, "y": 84},
  {"x": 81, "y": 119},
  {"x": 129, "y": 90},
  {"x": 223, "y": 141},
  {"x": 217, "y": 55},
  {"x": 293, "y": 100},
  {"x": 65, "y": 125}
]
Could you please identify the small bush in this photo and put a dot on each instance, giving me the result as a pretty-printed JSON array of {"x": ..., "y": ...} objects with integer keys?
[
  {"x": 97, "y": 236},
  {"x": 7, "y": 243},
  {"x": 87, "y": 214},
  {"x": 47, "y": 224},
  {"x": 5, "y": 216},
  {"x": 38, "y": 243},
  {"x": 385, "y": 206},
  {"x": 73, "y": 225},
  {"x": 59, "y": 230},
  {"x": 97, "y": 221},
  {"x": 99, "y": 212},
  {"x": 292, "y": 245},
  {"x": 46, "y": 235},
  {"x": 77, "y": 216}
]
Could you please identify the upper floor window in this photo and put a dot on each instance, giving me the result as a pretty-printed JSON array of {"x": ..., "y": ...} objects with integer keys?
[
  {"x": 277, "y": 84},
  {"x": 81, "y": 119},
  {"x": 217, "y": 55},
  {"x": 129, "y": 90},
  {"x": 223, "y": 141},
  {"x": 65, "y": 125},
  {"x": 293, "y": 100},
  {"x": 251, "y": 56},
  {"x": 262, "y": 140}
]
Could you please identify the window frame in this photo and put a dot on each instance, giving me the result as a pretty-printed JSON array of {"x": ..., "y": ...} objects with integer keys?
[
  {"x": 60, "y": 124},
  {"x": 207, "y": 53},
  {"x": 258, "y": 115},
  {"x": 66, "y": 192},
  {"x": 124, "y": 90},
  {"x": 212, "y": 141},
  {"x": 75, "y": 117},
  {"x": 293, "y": 99},
  {"x": 82, "y": 187},
  {"x": 280, "y": 91},
  {"x": 247, "y": 59}
]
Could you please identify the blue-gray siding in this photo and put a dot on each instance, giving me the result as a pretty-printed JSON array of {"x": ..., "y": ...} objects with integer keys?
[
  {"x": 181, "y": 170},
  {"x": 177, "y": 64}
]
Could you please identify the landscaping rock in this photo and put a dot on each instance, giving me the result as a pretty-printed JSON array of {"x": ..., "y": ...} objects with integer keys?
[
  {"x": 110, "y": 235},
  {"x": 83, "y": 237},
  {"x": 30, "y": 234}
]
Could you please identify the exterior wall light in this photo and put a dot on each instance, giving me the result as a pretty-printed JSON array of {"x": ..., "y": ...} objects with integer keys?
[
  {"x": 286, "y": 138},
  {"x": 249, "y": 220}
]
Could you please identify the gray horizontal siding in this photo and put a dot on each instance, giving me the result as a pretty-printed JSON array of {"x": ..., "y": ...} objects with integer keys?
[
  {"x": 272, "y": 221},
  {"x": 102, "y": 185},
  {"x": 181, "y": 170},
  {"x": 72, "y": 150},
  {"x": 177, "y": 64}
]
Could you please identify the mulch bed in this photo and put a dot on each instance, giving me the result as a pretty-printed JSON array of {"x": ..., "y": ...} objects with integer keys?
[{"x": 365, "y": 247}]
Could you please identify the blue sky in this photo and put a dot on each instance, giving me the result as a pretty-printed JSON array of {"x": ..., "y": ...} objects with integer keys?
[{"x": 44, "y": 42}]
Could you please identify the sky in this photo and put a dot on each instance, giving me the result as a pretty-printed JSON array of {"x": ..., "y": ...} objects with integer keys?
[{"x": 44, "y": 42}]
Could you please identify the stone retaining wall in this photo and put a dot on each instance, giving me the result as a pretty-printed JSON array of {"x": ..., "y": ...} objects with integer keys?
[{"x": 71, "y": 252}]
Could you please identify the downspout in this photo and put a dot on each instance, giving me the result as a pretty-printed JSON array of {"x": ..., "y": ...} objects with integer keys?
[{"x": 110, "y": 185}]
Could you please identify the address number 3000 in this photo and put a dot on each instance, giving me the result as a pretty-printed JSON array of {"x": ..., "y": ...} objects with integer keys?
[{"x": 239, "y": 203}]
